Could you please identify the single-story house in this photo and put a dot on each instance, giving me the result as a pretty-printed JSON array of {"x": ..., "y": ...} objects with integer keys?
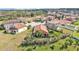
[{"x": 14, "y": 27}]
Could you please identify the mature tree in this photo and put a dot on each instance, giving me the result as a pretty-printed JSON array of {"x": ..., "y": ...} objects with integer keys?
[{"x": 32, "y": 15}]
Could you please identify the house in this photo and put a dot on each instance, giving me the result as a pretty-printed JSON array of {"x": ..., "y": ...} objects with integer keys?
[
  {"x": 51, "y": 25},
  {"x": 56, "y": 23},
  {"x": 14, "y": 26},
  {"x": 61, "y": 22},
  {"x": 50, "y": 17},
  {"x": 33, "y": 24},
  {"x": 41, "y": 28}
]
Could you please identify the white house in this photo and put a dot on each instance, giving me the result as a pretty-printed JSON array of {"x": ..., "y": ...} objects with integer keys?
[
  {"x": 15, "y": 27},
  {"x": 33, "y": 24}
]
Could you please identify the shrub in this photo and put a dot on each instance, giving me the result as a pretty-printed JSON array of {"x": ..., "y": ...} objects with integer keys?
[
  {"x": 29, "y": 21},
  {"x": 5, "y": 32},
  {"x": 40, "y": 42},
  {"x": 77, "y": 42},
  {"x": 52, "y": 46},
  {"x": 32, "y": 15},
  {"x": 39, "y": 34},
  {"x": 51, "y": 31},
  {"x": 70, "y": 42},
  {"x": 34, "y": 47},
  {"x": 26, "y": 42},
  {"x": 52, "y": 40},
  {"x": 63, "y": 36},
  {"x": 29, "y": 27},
  {"x": 1, "y": 27},
  {"x": 65, "y": 45},
  {"x": 61, "y": 47}
]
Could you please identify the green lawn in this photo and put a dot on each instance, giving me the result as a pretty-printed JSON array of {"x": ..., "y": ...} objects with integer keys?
[
  {"x": 76, "y": 23},
  {"x": 76, "y": 34}
]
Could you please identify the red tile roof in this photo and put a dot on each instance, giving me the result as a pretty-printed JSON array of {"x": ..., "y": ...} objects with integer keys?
[
  {"x": 42, "y": 28},
  {"x": 61, "y": 22}
]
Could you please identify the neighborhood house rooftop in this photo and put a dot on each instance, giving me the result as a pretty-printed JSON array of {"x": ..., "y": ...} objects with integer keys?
[
  {"x": 41, "y": 28},
  {"x": 61, "y": 22},
  {"x": 13, "y": 21}
]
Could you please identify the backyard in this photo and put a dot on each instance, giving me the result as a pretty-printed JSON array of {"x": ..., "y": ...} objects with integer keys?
[
  {"x": 57, "y": 46},
  {"x": 62, "y": 44}
]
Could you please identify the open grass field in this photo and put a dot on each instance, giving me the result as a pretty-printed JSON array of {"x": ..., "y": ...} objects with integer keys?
[{"x": 11, "y": 42}]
